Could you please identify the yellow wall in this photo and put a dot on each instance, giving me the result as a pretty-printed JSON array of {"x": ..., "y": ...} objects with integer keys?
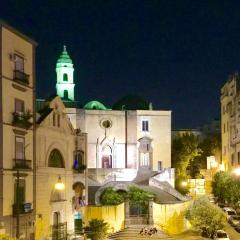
[
  {"x": 114, "y": 215},
  {"x": 170, "y": 217}
]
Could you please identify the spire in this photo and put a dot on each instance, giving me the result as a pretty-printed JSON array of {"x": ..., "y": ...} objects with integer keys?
[{"x": 64, "y": 57}]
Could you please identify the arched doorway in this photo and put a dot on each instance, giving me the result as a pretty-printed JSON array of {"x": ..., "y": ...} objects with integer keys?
[
  {"x": 107, "y": 157},
  {"x": 65, "y": 94}
]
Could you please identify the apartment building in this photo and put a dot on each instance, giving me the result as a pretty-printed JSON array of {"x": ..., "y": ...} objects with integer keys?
[
  {"x": 17, "y": 132},
  {"x": 230, "y": 122}
]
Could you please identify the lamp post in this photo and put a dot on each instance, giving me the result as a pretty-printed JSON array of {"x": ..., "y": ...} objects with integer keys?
[{"x": 59, "y": 185}]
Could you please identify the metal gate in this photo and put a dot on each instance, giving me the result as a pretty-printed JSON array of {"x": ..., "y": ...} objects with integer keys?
[{"x": 59, "y": 231}]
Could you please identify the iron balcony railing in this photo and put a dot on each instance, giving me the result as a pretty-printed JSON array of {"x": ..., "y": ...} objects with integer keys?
[
  {"x": 20, "y": 77},
  {"x": 22, "y": 164},
  {"x": 22, "y": 119}
]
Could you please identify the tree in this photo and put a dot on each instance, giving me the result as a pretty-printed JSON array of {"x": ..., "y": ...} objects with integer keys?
[
  {"x": 205, "y": 216},
  {"x": 137, "y": 195},
  {"x": 227, "y": 188},
  {"x": 221, "y": 184},
  {"x": 210, "y": 146},
  {"x": 97, "y": 229},
  {"x": 111, "y": 197},
  {"x": 184, "y": 149}
]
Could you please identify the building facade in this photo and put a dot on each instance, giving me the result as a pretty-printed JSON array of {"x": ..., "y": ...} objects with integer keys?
[
  {"x": 17, "y": 132},
  {"x": 120, "y": 142},
  {"x": 230, "y": 122},
  {"x": 60, "y": 172}
]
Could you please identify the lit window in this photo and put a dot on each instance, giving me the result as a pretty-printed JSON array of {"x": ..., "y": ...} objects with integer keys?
[
  {"x": 19, "y": 148},
  {"x": 19, "y": 63},
  {"x": 19, "y": 106},
  {"x": 145, "y": 126}
]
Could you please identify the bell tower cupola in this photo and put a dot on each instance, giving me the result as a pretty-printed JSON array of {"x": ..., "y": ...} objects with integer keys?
[{"x": 64, "y": 70}]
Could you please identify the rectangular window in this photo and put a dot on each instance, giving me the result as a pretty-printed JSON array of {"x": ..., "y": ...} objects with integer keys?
[
  {"x": 232, "y": 160},
  {"x": 145, "y": 126},
  {"x": 19, "y": 191},
  {"x": 19, "y": 148},
  {"x": 19, "y": 63},
  {"x": 19, "y": 106},
  {"x": 159, "y": 165}
]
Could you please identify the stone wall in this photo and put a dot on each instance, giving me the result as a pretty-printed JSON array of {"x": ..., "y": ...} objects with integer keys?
[
  {"x": 113, "y": 215},
  {"x": 170, "y": 217}
]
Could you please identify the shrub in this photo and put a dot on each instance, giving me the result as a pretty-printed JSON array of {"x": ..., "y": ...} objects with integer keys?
[
  {"x": 205, "y": 216},
  {"x": 97, "y": 229},
  {"x": 111, "y": 197}
]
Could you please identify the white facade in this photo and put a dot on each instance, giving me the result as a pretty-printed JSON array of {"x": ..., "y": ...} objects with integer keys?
[{"x": 134, "y": 139}]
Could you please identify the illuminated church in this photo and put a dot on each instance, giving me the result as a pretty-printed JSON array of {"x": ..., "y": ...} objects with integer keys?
[
  {"x": 117, "y": 140},
  {"x": 87, "y": 148}
]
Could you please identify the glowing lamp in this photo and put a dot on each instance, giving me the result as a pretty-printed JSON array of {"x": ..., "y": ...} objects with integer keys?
[
  {"x": 59, "y": 184},
  {"x": 184, "y": 183},
  {"x": 221, "y": 167},
  {"x": 237, "y": 171}
]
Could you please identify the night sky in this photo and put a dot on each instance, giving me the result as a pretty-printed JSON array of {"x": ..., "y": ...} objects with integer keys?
[{"x": 174, "y": 53}]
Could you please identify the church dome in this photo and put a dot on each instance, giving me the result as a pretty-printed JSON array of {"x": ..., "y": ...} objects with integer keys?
[
  {"x": 131, "y": 102},
  {"x": 95, "y": 105},
  {"x": 64, "y": 57}
]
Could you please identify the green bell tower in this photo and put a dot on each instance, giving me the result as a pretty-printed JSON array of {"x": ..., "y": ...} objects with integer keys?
[{"x": 64, "y": 70}]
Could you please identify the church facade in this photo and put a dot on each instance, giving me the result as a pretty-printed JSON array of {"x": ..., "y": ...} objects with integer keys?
[
  {"x": 117, "y": 139},
  {"x": 113, "y": 145}
]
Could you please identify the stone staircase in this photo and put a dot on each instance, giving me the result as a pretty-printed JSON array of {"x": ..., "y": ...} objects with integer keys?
[{"x": 132, "y": 233}]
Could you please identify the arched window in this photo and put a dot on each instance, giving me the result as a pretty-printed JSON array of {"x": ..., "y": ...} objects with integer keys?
[
  {"x": 65, "y": 94},
  {"x": 55, "y": 159},
  {"x": 65, "y": 77},
  {"x": 106, "y": 157},
  {"x": 78, "y": 161}
]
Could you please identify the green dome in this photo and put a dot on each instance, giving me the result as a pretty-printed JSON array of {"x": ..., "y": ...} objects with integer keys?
[
  {"x": 95, "y": 105},
  {"x": 64, "y": 57}
]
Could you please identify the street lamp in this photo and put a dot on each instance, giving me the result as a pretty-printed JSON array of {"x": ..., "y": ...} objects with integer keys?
[
  {"x": 236, "y": 171},
  {"x": 184, "y": 183},
  {"x": 59, "y": 185}
]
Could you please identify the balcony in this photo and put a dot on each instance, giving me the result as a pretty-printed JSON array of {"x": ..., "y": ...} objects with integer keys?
[
  {"x": 20, "y": 77},
  {"x": 24, "y": 208},
  {"x": 79, "y": 168},
  {"x": 22, "y": 164},
  {"x": 22, "y": 119}
]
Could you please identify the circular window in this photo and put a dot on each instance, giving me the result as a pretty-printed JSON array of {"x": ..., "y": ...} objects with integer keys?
[{"x": 106, "y": 123}]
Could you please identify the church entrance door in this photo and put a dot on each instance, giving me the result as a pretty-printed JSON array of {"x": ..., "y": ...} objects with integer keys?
[{"x": 107, "y": 161}]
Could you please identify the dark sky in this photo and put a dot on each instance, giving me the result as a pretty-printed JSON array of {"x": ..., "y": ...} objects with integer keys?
[{"x": 175, "y": 53}]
